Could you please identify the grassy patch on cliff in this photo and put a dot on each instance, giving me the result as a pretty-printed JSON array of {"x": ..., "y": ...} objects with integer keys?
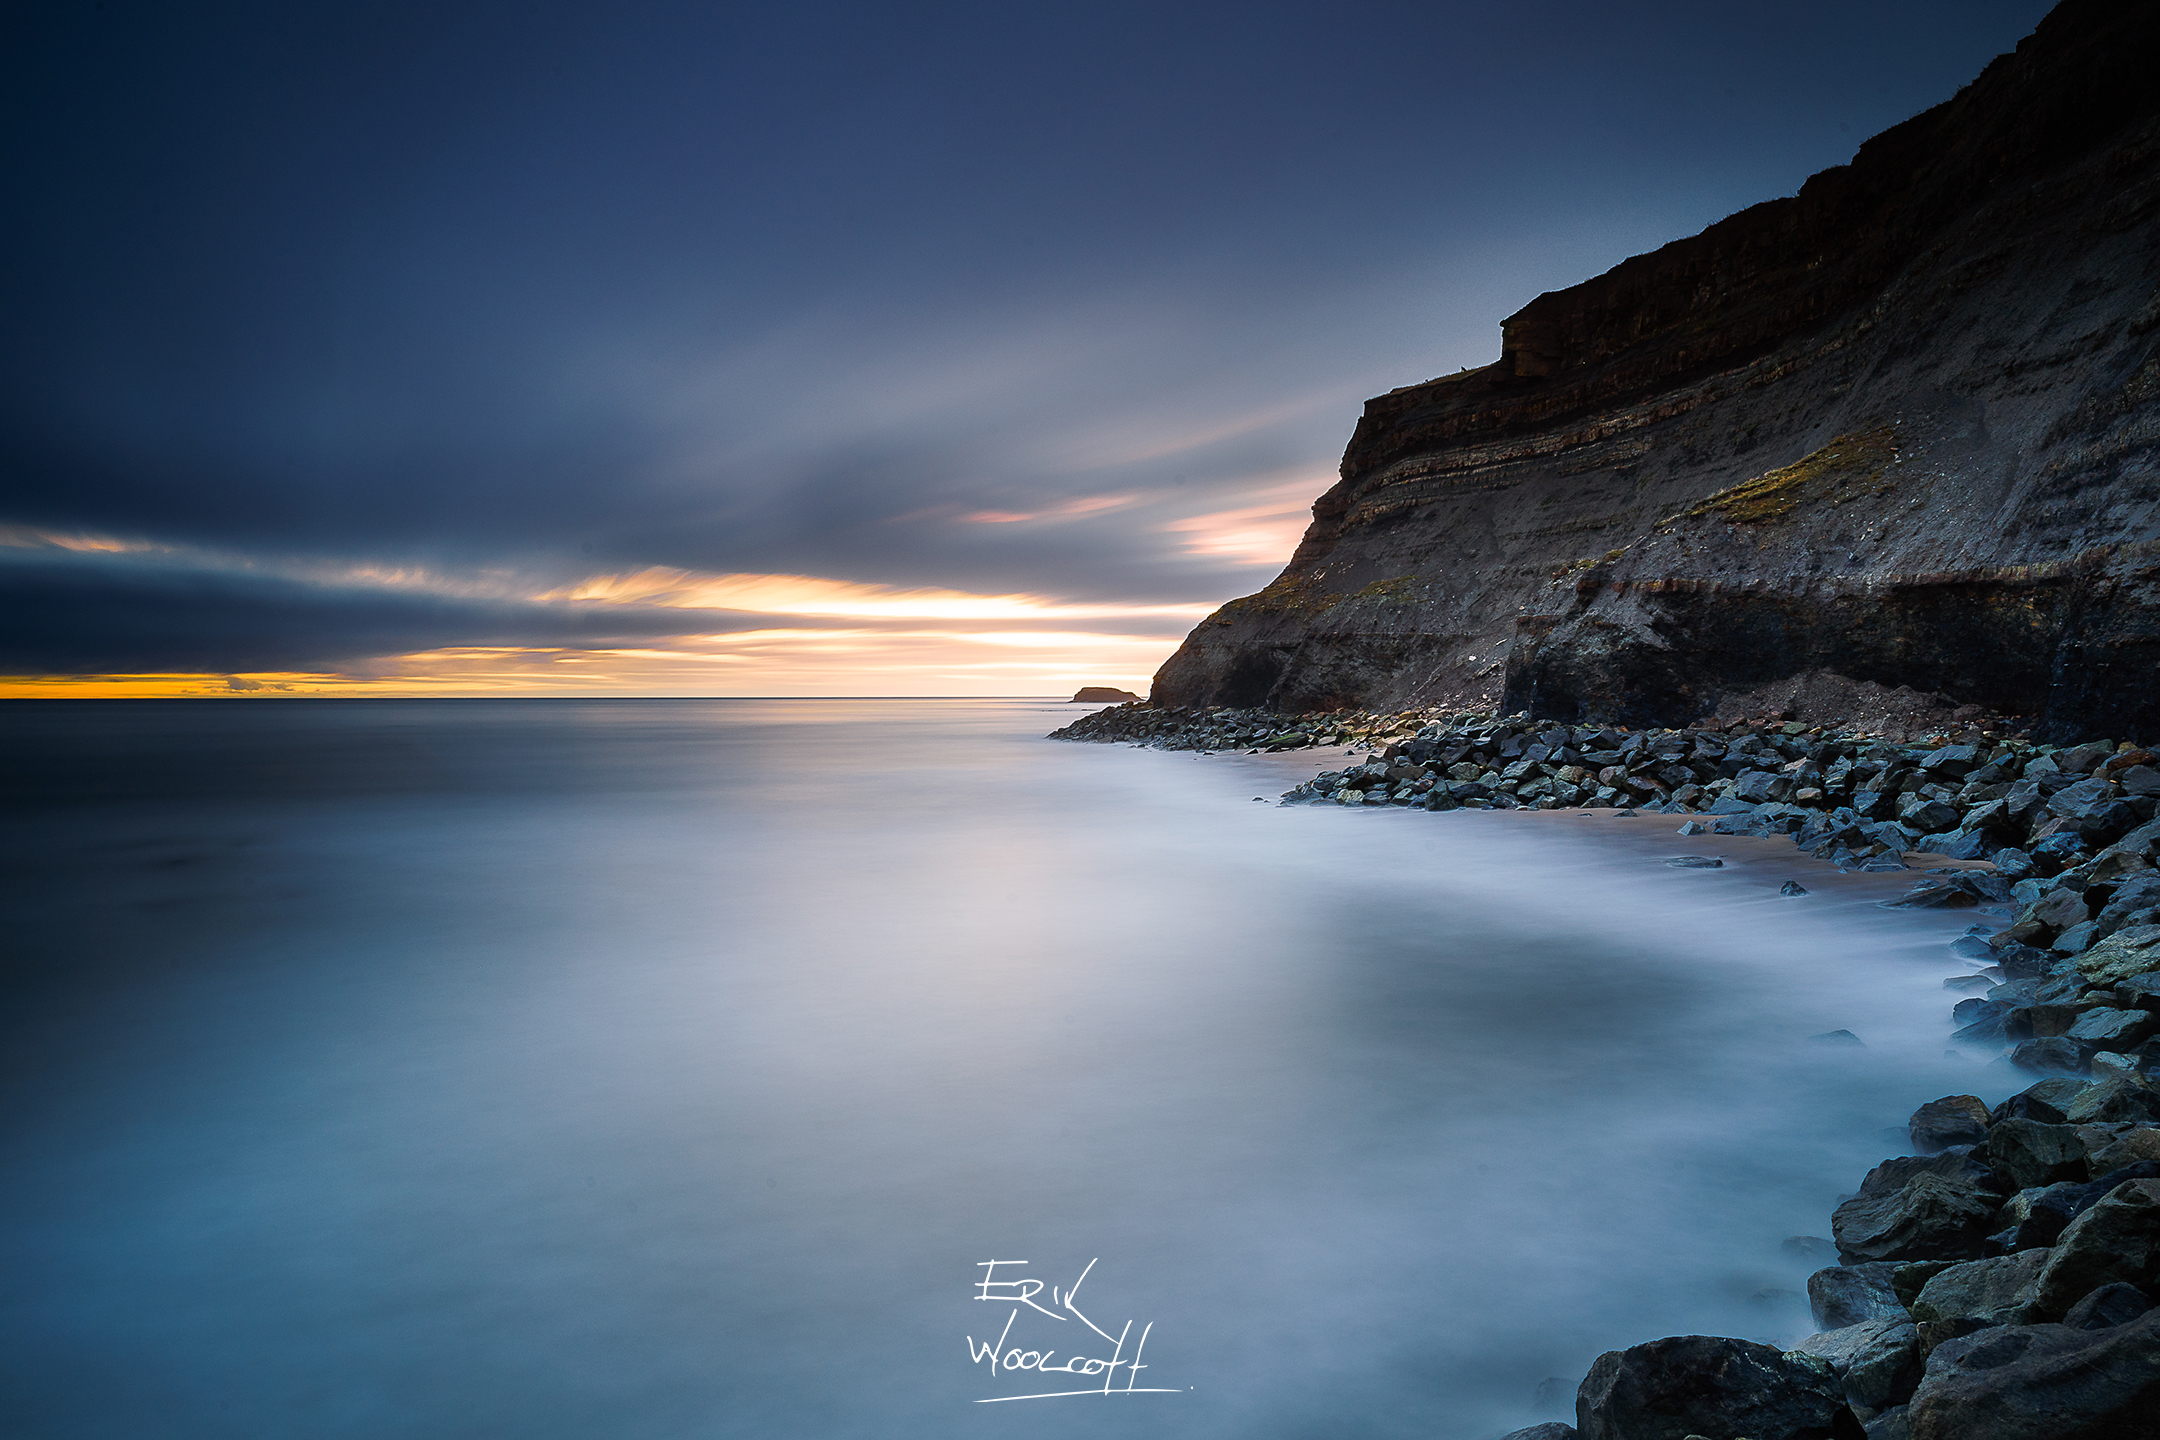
[{"x": 1851, "y": 460}]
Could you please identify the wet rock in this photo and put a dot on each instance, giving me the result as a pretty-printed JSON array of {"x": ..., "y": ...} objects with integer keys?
[
  {"x": 1706, "y": 1385},
  {"x": 2046, "y": 1102},
  {"x": 1792, "y": 887},
  {"x": 2117, "y": 1240},
  {"x": 2107, "y": 1064},
  {"x": 2027, "y": 1153},
  {"x": 2121, "y": 1100},
  {"x": 1552, "y": 1430},
  {"x": 2114, "y": 1029},
  {"x": 1952, "y": 1120},
  {"x": 1838, "y": 1037},
  {"x": 1998, "y": 1291},
  {"x": 1934, "y": 895},
  {"x": 2054, "y": 1055},
  {"x": 2042, "y": 1382},
  {"x": 2107, "y": 1307},
  {"x": 1847, "y": 1295},
  {"x": 2127, "y": 953},
  {"x": 1878, "y": 1362},
  {"x": 1696, "y": 862},
  {"x": 1931, "y": 1218}
]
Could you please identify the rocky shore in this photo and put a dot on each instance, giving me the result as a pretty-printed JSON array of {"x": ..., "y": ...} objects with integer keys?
[{"x": 1998, "y": 1282}]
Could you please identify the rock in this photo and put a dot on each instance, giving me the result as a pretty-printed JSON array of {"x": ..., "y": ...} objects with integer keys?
[
  {"x": 1101, "y": 695},
  {"x": 2139, "y": 780},
  {"x": 2108, "y": 1064},
  {"x": 1705, "y": 1385},
  {"x": 2027, "y": 1153},
  {"x": 2115, "y": 1029},
  {"x": 1838, "y": 1037},
  {"x": 1694, "y": 827},
  {"x": 2037, "y": 1217},
  {"x": 2120, "y": 1100},
  {"x": 2026, "y": 1022},
  {"x": 2058, "y": 910},
  {"x": 2107, "y": 1307},
  {"x": 2128, "y": 1148},
  {"x": 1878, "y": 1361},
  {"x": 1847, "y": 1295},
  {"x": 2076, "y": 938},
  {"x": 2042, "y": 1382},
  {"x": 2126, "y": 953},
  {"x": 1890, "y": 1425},
  {"x": 2084, "y": 759},
  {"x": 2118, "y": 1239},
  {"x": 2046, "y": 1102},
  {"x": 1934, "y": 895},
  {"x": 1792, "y": 887},
  {"x": 1552, "y": 1430},
  {"x": 1930, "y": 1219},
  {"x": 1999, "y": 1290},
  {"x": 1962, "y": 1164},
  {"x": 1811, "y": 1248},
  {"x": 1952, "y": 1120},
  {"x": 1696, "y": 862},
  {"x": 2052, "y": 1055}
]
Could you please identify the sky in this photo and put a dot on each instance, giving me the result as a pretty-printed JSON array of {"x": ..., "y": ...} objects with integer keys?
[{"x": 709, "y": 349}]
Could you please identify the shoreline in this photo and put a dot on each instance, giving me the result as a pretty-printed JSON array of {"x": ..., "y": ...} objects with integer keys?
[{"x": 2001, "y": 1279}]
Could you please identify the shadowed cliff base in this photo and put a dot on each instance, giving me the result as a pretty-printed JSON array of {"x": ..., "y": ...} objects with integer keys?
[{"x": 1904, "y": 426}]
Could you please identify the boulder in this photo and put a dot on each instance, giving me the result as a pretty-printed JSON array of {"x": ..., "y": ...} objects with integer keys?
[
  {"x": 1708, "y": 1385},
  {"x": 2054, "y": 1055},
  {"x": 1847, "y": 1295},
  {"x": 1878, "y": 1362},
  {"x": 2115, "y": 1028},
  {"x": 2057, "y": 910},
  {"x": 1932, "y": 1218},
  {"x": 2108, "y": 1306},
  {"x": 2117, "y": 1240},
  {"x": 2045, "y": 1102},
  {"x": 2121, "y": 1099},
  {"x": 1998, "y": 1290},
  {"x": 2041, "y": 1382},
  {"x": 2027, "y": 1153},
  {"x": 2128, "y": 1148},
  {"x": 1965, "y": 1164},
  {"x": 2131, "y": 951},
  {"x": 1550, "y": 1431},
  {"x": 1952, "y": 1120}
]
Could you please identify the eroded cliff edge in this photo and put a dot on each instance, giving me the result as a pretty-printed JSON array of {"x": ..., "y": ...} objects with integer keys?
[{"x": 1904, "y": 425}]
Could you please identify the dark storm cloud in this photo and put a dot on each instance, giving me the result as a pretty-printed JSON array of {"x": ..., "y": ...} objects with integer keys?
[{"x": 577, "y": 288}]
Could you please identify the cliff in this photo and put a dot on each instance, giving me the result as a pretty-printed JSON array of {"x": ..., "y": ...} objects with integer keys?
[{"x": 1904, "y": 426}]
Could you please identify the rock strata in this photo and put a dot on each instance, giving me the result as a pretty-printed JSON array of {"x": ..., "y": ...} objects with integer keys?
[{"x": 1895, "y": 428}]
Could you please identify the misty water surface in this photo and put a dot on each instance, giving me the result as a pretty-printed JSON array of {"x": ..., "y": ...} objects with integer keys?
[{"x": 667, "y": 1068}]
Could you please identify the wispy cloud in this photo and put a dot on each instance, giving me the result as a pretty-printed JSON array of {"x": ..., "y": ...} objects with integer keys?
[{"x": 1263, "y": 533}]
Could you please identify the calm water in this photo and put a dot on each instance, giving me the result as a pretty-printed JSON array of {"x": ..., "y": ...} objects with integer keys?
[{"x": 668, "y": 1068}]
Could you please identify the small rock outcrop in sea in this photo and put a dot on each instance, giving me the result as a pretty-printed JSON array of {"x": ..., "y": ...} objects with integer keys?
[{"x": 1102, "y": 695}]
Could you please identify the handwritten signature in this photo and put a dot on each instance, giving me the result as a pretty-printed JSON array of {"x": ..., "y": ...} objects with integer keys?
[{"x": 1024, "y": 1292}]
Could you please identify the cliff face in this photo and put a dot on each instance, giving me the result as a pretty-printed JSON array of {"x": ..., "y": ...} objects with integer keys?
[{"x": 1904, "y": 425}]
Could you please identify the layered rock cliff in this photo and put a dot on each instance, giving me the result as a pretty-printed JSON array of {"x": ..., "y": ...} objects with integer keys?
[{"x": 1904, "y": 426}]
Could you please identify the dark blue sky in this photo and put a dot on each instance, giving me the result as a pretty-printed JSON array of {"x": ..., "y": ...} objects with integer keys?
[{"x": 336, "y": 332}]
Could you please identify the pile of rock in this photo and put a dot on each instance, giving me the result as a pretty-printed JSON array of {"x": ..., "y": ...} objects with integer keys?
[
  {"x": 1220, "y": 727},
  {"x": 1998, "y": 1285}
]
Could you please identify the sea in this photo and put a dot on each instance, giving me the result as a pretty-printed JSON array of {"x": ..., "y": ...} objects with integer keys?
[{"x": 668, "y": 1069}]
